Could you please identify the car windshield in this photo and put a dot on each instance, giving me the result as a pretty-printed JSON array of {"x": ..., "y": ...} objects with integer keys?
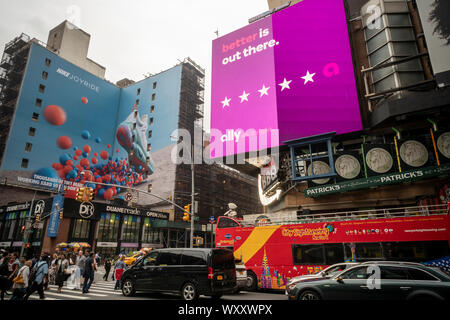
[
  {"x": 333, "y": 270},
  {"x": 223, "y": 259}
]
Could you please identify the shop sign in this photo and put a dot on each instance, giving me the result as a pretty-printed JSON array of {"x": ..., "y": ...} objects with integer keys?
[
  {"x": 5, "y": 244},
  {"x": 17, "y": 244},
  {"x": 36, "y": 244},
  {"x": 386, "y": 179},
  {"x": 129, "y": 245},
  {"x": 53, "y": 224},
  {"x": 107, "y": 244},
  {"x": 18, "y": 207},
  {"x": 151, "y": 245},
  {"x": 157, "y": 215}
]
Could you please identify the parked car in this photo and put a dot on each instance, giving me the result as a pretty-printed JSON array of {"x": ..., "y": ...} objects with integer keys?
[
  {"x": 325, "y": 273},
  {"x": 131, "y": 259},
  {"x": 187, "y": 272},
  {"x": 241, "y": 277},
  {"x": 381, "y": 280}
]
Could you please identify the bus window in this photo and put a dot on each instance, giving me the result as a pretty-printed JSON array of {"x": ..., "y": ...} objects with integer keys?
[
  {"x": 225, "y": 222},
  {"x": 417, "y": 251},
  {"x": 334, "y": 253},
  {"x": 365, "y": 251},
  {"x": 308, "y": 254}
]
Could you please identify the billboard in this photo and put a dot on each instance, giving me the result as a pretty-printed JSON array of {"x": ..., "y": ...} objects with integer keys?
[
  {"x": 73, "y": 128},
  {"x": 284, "y": 77}
]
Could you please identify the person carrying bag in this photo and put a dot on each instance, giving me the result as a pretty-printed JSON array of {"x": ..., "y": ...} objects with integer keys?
[
  {"x": 62, "y": 273},
  {"x": 21, "y": 281}
]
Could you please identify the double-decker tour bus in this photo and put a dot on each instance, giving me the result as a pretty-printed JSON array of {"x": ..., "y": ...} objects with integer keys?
[{"x": 275, "y": 251}]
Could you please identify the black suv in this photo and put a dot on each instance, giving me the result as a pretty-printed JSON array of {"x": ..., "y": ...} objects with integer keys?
[{"x": 188, "y": 272}]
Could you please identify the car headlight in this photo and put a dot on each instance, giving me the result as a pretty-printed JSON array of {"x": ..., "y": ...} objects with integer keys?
[{"x": 291, "y": 286}]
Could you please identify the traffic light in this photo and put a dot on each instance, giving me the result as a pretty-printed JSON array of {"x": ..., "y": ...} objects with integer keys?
[
  {"x": 90, "y": 193},
  {"x": 61, "y": 214},
  {"x": 22, "y": 229},
  {"x": 187, "y": 216},
  {"x": 80, "y": 194},
  {"x": 38, "y": 217}
]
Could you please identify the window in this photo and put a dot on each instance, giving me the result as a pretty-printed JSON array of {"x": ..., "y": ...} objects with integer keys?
[
  {"x": 227, "y": 223},
  {"x": 151, "y": 121},
  {"x": 44, "y": 75},
  {"x": 154, "y": 85},
  {"x": 130, "y": 228},
  {"x": 356, "y": 273},
  {"x": 149, "y": 147},
  {"x": 28, "y": 147},
  {"x": 31, "y": 131},
  {"x": 334, "y": 253},
  {"x": 222, "y": 259},
  {"x": 170, "y": 258},
  {"x": 25, "y": 163},
  {"x": 365, "y": 251},
  {"x": 137, "y": 102},
  {"x": 416, "y": 274},
  {"x": 393, "y": 273},
  {"x": 309, "y": 254},
  {"x": 150, "y": 134},
  {"x": 134, "y": 126},
  {"x": 150, "y": 235},
  {"x": 35, "y": 117},
  {"x": 191, "y": 258},
  {"x": 22, "y": 218},
  {"x": 108, "y": 227},
  {"x": 38, "y": 102},
  {"x": 41, "y": 88},
  {"x": 136, "y": 114},
  {"x": 81, "y": 229},
  {"x": 150, "y": 260},
  {"x": 10, "y": 225},
  {"x": 153, "y": 97},
  {"x": 48, "y": 62},
  {"x": 152, "y": 109},
  {"x": 139, "y": 91}
]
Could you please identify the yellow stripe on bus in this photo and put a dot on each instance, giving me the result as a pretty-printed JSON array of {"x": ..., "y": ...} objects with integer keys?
[{"x": 254, "y": 242}]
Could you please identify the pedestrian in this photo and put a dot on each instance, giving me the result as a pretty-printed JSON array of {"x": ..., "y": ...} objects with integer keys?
[
  {"x": 36, "y": 280},
  {"x": 52, "y": 271},
  {"x": 79, "y": 261},
  {"x": 107, "y": 269},
  {"x": 21, "y": 281},
  {"x": 13, "y": 265},
  {"x": 89, "y": 273},
  {"x": 5, "y": 283},
  {"x": 61, "y": 271},
  {"x": 119, "y": 267}
]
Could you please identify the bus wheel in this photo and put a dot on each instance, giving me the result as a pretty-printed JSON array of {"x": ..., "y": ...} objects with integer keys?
[{"x": 252, "y": 281}]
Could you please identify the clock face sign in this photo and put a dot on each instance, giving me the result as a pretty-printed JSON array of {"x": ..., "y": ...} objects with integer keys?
[
  {"x": 320, "y": 167},
  {"x": 347, "y": 166},
  {"x": 414, "y": 153},
  {"x": 379, "y": 160},
  {"x": 443, "y": 144}
]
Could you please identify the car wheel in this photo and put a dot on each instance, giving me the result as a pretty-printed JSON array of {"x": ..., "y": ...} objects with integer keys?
[
  {"x": 128, "y": 288},
  {"x": 189, "y": 292},
  {"x": 309, "y": 295},
  {"x": 252, "y": 281}
]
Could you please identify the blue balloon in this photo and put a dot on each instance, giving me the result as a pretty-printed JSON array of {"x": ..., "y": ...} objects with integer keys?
[
  {"x": 98, "y": 140},
  {"x": 75, "y": 148},
  {"x": 72, "y": 174},
  {"x": 63, "y": 158},
  {"x": 85, "y": 154},
  {"x": 85, "y": 135},
  {"x": 101, "y": 193}
]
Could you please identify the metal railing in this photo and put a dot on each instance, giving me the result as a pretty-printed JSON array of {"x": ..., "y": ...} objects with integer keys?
[{"x": 368, "y": 214}]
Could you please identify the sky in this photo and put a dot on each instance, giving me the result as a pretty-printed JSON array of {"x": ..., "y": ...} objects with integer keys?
[{"x": 135, "y": 37}]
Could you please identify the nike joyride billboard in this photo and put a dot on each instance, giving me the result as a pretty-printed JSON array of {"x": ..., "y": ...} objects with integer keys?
[
  {"x": 287, "y": 76},
  {"x": 72, "y": 128}
]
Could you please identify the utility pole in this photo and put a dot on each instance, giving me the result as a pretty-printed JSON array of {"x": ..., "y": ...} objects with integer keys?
[{"x": 193, "y": 208}]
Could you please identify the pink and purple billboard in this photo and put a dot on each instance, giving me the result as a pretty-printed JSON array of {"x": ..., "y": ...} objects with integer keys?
[{"x": 284, "y": 77}]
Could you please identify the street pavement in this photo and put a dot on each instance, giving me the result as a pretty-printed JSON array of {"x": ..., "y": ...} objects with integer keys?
[{"x": 104, "y": 290}]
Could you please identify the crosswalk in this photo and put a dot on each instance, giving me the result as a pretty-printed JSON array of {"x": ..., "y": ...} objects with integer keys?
[{"x": 100, "y": 290}]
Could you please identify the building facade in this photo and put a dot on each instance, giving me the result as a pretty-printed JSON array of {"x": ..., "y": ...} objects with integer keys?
[{"x": 64, "y": 127}]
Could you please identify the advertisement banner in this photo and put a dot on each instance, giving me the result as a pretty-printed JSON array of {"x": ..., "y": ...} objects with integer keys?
[
  {"x": 284, "y": 77},
  {"x": 53, "y": 224}
]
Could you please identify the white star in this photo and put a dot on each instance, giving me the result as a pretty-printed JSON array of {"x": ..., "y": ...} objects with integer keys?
[
  {"x": 285, "y": 84},
  {"x": 263, "y": 91},
  {"x": 226, "y": 102},
  {"x": 308, "y": 77},
  {"x": 244, "y": 96}
]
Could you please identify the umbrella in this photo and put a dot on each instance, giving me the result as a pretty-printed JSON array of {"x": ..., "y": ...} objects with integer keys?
[
  {"x": 85, "y": 245},
  {"x": 74, "y": 245},
  {"x": 61, "y": 245},
  {"x": 145, "y": 250}
]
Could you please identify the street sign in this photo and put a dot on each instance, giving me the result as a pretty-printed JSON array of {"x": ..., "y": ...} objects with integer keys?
[
  {"x": 38, "y": 225},
  {"x": 128, "y": 197},
  {"x": 212, "y": 219}
]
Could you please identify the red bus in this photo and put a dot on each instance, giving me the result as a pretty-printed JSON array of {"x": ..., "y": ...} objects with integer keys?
[{"x": 276, "y": 251}]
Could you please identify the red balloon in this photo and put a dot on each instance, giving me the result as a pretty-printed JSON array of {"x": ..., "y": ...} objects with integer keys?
[
  {"x": 57, "y": 166},
  {"x": 64, "y": 142},
  {"x": 108, "y": 145},
  {"x": 107, "y": 178},
  {"x": 78, "y": 152},
  {"x": 84, "y": 100},
  {"x": 108, "y": 194},
  {"x": 55, "y": 115},
  {"x": 69, "y": 162},
  {"x": 75, "y": 157},
  {"x": 67, "y": 169},
  {"x": 84, "y": 162},
  {"x": 87, "y": 149},
  {"x": 61, "y": 174},
  {"x": 104, "y": 155},
  {"x": 94, "y": 160},
  {"x": 95, "y": 154}
]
